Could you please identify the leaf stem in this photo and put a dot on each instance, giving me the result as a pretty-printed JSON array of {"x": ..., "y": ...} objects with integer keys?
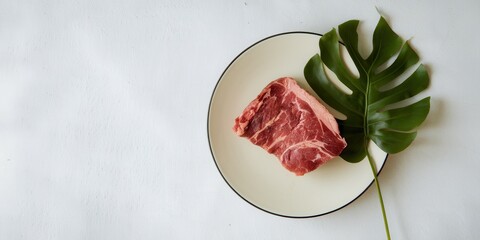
[{"x": 374, "y": 171}]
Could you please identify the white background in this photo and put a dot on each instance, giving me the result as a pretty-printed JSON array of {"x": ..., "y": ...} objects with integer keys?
[{"x": 103, "y": 108}]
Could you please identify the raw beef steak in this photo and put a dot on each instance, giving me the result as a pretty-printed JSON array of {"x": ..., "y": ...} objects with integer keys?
[{"x": 287, "y": 121}]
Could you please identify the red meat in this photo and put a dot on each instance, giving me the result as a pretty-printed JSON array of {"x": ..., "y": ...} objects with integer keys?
[{"x": 288, "y": 122}]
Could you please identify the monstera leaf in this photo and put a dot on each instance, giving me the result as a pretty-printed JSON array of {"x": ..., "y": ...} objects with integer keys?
[
  {"x": 372, "y": 108},
  {"x": 368, "y": 109}
]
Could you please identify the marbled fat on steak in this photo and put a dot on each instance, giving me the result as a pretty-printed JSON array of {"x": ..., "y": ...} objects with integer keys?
[{"x": 287, "y": 121}]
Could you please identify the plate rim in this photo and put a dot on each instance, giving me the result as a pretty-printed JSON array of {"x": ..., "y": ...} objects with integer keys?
[{"x": 215, "y": 160}]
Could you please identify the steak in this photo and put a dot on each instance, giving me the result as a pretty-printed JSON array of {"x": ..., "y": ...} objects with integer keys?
[{"x": 290, "y": 123}]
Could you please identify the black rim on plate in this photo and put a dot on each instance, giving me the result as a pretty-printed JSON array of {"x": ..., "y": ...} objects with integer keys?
[{"x": 213, "y": 155}]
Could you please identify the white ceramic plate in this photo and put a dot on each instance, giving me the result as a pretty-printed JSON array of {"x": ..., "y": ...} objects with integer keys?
[{"x": 250, "y": 171}]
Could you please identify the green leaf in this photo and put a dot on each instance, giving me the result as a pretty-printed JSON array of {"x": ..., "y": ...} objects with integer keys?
[{"x": 369, "y": 111}]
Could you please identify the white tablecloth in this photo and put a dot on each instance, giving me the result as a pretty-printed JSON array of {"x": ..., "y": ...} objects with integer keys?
[{"x": 103, "y": 108}]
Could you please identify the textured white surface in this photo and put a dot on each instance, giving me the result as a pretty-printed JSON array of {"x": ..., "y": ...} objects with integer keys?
[{"x": 103, "y": 108}]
